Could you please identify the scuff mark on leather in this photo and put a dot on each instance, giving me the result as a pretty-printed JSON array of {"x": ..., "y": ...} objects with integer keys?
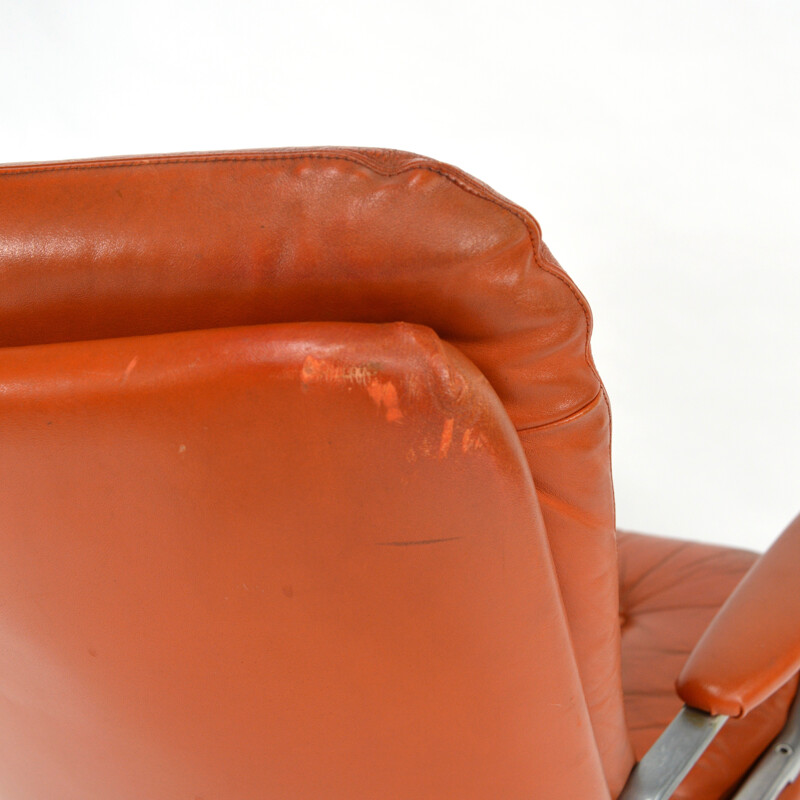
[
  {"x": 383, "y": 392},
  {"x": 316, "y": 370},
  {"x": 472, "y": 440},
  {"x": 447, "y": 437},
  {"x": 130, "y": 368}
]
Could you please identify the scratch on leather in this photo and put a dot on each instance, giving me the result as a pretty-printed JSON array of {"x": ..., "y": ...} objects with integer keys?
[{"x": 419, "y": 541}]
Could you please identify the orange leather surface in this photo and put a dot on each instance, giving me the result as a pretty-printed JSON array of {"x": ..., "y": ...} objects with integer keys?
[
  {"x": 260, "y": 562},
  {"x": 126, "y": 247},
  {"x": 752, "y": 647},
  {"x": 791, "y": 792},
  {"x": 669, "y": 593},
  {"x": 256, "y": 545}
]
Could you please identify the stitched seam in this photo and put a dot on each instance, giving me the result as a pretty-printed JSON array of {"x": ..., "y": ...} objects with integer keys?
[
  {"x": 681, "y": 547},
  {"x": 157, "y": 161},
  {"x": 460, "y": 180},
  {"x": 582, "y": 411}
]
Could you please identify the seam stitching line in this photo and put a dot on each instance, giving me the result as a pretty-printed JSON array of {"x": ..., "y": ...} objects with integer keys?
[{"x": 574, "y": 415}]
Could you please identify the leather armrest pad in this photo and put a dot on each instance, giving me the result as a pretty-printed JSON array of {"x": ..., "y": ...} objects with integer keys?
[{"x": 752, "y": 646}]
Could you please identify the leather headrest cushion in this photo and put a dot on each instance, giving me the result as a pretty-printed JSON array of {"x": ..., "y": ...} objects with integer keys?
[{"x": 134, "y": 246}]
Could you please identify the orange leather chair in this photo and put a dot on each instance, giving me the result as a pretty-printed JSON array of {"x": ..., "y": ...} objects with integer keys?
[{"x": 306, "y": 493}]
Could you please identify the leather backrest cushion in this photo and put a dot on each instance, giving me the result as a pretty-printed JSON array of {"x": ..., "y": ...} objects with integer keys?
[
  {"x": 126, "y": 247},
  {"x": 278, "y": 576}
]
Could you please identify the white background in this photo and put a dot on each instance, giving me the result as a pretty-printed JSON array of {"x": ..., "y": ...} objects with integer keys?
[{"x": 657, "y": 144}]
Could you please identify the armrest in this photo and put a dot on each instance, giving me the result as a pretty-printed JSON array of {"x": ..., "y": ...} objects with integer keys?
[{"x": 752, "y": 646}]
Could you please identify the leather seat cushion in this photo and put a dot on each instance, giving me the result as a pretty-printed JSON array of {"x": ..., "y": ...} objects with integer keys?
[{"x": 669, "y": 592}]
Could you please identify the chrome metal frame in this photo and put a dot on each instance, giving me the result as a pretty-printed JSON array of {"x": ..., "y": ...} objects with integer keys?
[
  {"x": 672, "y": 755},
  {"x": 779, "y": 766},
  {"x": 685, "y": 739}
]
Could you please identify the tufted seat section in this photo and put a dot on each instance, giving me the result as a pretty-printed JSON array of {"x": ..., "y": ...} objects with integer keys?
[{"x": 669, "y": 592}]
